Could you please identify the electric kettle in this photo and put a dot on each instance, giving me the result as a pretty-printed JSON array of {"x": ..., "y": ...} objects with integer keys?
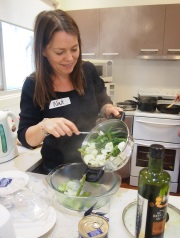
[{"x": 8, "y": 136}]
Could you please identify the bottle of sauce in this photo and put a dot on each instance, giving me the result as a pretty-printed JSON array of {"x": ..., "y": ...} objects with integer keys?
[{"x": 153, "y": 192}]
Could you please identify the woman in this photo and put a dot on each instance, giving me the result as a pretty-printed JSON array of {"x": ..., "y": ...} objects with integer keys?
[{"x": 63, "y": 96}]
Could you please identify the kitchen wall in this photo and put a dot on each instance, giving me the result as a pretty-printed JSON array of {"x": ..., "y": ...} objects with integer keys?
[
  {"x": 81, "y": 4},
  {"x": 130, "y": 75}
]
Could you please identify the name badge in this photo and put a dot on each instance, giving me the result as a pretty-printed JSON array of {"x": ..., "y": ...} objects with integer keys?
[{"x": 59, "y": 103}]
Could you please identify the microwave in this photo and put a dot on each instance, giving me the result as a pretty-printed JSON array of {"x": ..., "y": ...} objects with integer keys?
[
  {"x": 110, "y": 90},
  {"x": 104, "y": 68}
]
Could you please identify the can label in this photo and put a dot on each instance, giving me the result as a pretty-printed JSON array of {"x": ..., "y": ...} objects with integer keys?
[
  {"x": 4, "y": 182},
  {"x": 93, "y": 226}
]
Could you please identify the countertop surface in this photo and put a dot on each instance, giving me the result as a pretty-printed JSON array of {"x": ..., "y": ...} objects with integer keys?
[
  {"x": 66, "y": 225},
  {"x": 27, "y": 160}
]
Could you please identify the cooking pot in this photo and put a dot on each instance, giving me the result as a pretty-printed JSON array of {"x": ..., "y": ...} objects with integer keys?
[
  {"x": 99, "y": 193},
  {"x": 175, "y": 109},
  {"x": 146, "y": 103},
  {"x": 106, "y": 162},
  {"x": 127, "y": 105},
  {"x": 8, "y": 147}
]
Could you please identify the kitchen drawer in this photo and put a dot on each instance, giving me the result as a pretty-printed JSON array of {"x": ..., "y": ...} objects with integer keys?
[{"x": 156, "y": 129}]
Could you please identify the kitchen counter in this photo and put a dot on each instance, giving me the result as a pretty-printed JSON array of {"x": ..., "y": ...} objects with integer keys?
[
  {"x": 67, "y": 221},
  {"x": 27, "y": 160}
]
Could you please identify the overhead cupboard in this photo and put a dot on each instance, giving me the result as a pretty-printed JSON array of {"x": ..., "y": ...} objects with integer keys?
[{"x": 151, "y": 31}]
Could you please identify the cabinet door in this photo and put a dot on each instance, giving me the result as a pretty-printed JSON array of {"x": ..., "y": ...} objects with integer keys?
[
  {"x": 118, "y": 32},
  {"x": 151, "y": 29},
  {"x": 88, "y": 23},
  {"x": 172, "y": 30}
]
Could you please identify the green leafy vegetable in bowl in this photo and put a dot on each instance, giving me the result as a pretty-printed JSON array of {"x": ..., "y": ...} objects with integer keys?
[
  {"x": 106, "y": 146},
  {"x": 74, "y": 188}
]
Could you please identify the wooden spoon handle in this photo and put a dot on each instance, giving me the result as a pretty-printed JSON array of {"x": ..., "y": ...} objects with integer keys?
[{"x": 169, "y": 106}]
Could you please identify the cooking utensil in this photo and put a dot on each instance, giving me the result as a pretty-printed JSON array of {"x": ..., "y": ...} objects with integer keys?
[
  {"x": 8, "y": 147},
  {"x": 171, "y": 104},
  {"x": 128, "y": 105},
  {"x": 151, "y": 98},
  {"x": 89, "y": 211},
  {"x": 101, "y": 192},
  {"x": 146, "y": 103},
  {"x": 175, "y": 109},
  {"x": 112, "y": 163}
]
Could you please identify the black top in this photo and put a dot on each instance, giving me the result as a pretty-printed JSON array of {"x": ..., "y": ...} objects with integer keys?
[{"x": 81, "y": 110}]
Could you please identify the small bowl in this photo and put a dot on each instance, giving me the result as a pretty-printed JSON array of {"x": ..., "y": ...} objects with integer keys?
[{"x": 101, "y": 191}]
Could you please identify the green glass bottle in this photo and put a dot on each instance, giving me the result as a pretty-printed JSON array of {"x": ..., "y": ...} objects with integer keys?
[{"x": 153, "y": 193}]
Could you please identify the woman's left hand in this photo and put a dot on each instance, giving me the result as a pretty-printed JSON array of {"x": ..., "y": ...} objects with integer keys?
[{"x": 116, "y": 111}]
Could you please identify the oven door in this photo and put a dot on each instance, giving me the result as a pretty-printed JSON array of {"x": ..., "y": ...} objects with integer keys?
[{"x": 139, "y": 158}]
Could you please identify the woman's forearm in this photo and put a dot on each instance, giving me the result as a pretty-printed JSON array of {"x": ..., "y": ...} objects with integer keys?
[{"x": 34, "y": 135}]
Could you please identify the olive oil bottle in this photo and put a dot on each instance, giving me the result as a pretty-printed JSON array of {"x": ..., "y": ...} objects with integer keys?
[{"x": 153, "y": 192}]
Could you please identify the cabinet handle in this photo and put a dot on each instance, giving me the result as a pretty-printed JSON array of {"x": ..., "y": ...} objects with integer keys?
[
  {"x": 110, "y": 54},
  {"x": 173, "y": 50},
  {"x": 88, "y": 54},
  {"x": 149, "y": 50}
]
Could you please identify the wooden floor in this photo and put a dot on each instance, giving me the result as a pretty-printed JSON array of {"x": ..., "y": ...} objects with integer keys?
[{"x": 125, "y": 184}]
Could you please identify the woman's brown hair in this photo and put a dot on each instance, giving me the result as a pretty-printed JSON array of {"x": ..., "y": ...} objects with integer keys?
[{"x": 46, "y": 24}]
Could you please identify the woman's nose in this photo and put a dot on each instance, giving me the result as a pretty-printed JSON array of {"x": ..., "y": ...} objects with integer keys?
[{"x": 69, "y": 55}]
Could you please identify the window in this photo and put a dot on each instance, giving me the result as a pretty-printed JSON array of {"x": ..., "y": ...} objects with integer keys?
[{"x": 16, "y": 56}]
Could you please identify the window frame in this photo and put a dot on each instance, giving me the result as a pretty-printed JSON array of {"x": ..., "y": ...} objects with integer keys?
[{"x": 3, "y": 82}]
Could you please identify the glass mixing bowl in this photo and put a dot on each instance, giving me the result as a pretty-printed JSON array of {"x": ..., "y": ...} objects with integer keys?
[{"x": 100, "y": 191}]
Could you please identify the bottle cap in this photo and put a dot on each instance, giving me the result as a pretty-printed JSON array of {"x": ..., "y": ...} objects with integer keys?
[{"x": 157, "y": 151}]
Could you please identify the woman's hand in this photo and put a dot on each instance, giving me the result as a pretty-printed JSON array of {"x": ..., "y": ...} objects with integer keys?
[
  {"x": 55, "y": 126},
  {"x": 109, "y": 109},
  {"x": 179, "y": 132},
  {"x": 59, "y": 127},
  {"x": 177, "y": 99}
]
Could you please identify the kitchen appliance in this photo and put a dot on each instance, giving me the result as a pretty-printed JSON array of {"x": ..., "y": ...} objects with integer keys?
[
  {"x": 104, "y": 68},
  {"x": 110, "y": 90},
  {"x": 100, "y": 192},
  {"x": 156, "y": 128},
  {"x": 8, "y": 136}
]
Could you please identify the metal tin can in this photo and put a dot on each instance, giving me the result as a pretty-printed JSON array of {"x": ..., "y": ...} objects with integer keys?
[{"x": 93, "y": 226}]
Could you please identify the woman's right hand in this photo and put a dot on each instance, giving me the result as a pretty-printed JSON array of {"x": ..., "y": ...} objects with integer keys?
[
  {"x": 177, "y": 99},
  {"x": 59, "y": 127}
]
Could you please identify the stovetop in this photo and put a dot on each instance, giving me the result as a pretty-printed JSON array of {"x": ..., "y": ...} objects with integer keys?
[{"x": 158, "y": 92}]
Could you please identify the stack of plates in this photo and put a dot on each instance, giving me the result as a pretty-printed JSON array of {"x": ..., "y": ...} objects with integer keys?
[{"x": 29, "y": 209}]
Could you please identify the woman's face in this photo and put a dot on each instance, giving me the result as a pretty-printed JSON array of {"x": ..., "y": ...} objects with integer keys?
[{"x": 62, "y": 52}]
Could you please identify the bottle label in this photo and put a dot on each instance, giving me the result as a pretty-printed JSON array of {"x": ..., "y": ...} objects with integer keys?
[{"x": 151, "y": 216}]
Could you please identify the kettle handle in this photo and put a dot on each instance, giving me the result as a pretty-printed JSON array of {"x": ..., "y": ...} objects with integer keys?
[{"x": 13, "y": 116}]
